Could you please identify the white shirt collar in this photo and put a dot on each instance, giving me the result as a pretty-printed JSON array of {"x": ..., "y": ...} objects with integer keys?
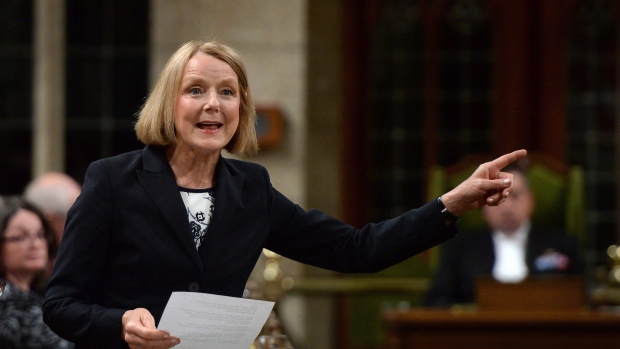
[{"x": 510, "y": 265}]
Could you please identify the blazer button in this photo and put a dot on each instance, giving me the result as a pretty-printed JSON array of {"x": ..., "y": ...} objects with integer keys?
[{"x": 193, "y": 287}]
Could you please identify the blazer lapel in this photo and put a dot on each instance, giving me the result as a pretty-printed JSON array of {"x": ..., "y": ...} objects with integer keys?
[
  {"x": 158, "y": 180},
  {"x": 228, "y": 188}
]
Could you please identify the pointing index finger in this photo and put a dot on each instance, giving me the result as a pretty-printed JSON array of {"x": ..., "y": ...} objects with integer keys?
[{"x": 507, "y": 159}]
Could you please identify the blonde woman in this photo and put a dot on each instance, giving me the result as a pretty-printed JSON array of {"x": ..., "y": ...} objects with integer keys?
[{"x": 178, "y": 216}]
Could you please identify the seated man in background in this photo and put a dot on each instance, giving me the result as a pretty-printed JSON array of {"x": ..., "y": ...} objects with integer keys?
[
  {"x": 53, "y": 193},
  {"x": 509, "y": 250}
]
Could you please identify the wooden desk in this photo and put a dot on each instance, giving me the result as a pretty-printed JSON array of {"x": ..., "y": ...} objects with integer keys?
[{"x": 446, "y": 329}]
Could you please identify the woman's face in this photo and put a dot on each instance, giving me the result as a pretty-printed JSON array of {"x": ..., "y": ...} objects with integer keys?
[
  {"x": 207, "y": 107},
  {"x": 24, "y": 244}
]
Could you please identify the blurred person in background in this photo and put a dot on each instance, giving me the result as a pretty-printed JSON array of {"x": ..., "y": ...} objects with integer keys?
[
  {"x": 26, "y": 242},
  {"x": 53, "y": 193},
  {"x": 509, "y": 250}
]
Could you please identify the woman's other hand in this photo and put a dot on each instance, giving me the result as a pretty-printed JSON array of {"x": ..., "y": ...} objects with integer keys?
[
  {"x": 486, "y": 186},
  {"x": 139, "y": 331}
]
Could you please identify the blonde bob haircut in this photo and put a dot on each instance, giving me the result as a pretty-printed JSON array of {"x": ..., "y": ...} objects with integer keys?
[{"x": 155, "y": 125}]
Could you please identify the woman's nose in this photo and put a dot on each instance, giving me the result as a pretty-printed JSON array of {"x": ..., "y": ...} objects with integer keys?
[
  {"x": 38, "y": 240},
  {"x": 211, "y": 101}
]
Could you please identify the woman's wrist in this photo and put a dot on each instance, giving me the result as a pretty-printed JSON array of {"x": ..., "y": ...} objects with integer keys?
[{"x": 448, "y": 216}]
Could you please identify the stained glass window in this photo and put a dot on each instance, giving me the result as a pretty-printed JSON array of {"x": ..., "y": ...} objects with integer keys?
[
  {"x": 16, "y": 69},
  {"x": 591, "y": 119},
  {"x": 107, "y": 76}
]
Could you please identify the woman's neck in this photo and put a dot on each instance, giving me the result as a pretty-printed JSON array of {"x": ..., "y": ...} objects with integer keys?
[
  {"x": 20, "y": 281},
  {"x": 191, "y": 169}
]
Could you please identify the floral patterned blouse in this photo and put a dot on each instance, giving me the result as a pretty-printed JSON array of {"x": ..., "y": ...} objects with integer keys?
[{"x": 21, "y": 322}]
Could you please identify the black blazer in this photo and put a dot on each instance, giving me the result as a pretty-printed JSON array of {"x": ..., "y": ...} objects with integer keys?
[
  {"x": 472, "y": 254},
  {"x": 127, "y": 242}
]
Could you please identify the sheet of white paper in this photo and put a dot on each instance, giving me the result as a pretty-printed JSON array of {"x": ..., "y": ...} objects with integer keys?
[{"x": 203, "y": 320}]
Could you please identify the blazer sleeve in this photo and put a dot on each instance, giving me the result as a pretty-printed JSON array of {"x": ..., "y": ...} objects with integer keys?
[
  {"x": 74, "y": 284},
  {"x": 314, "y": 238}
]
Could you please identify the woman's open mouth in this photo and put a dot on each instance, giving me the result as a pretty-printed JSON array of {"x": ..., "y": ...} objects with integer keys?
[{"x": 209, "y": 125}]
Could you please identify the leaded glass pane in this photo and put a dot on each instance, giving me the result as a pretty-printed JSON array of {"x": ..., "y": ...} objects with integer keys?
[
  {"x": 592, "y": 114},
  {"x": 107, "y": 72},
  {"x": 396, "y": 127},
  {"x": 465, "y": 70},
  {"x": 16, "y": 69}
]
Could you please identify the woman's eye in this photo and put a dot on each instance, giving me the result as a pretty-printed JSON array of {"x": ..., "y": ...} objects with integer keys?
[
  {"x": 228, "y": 92},
  {"x": 194, "y": 91}
]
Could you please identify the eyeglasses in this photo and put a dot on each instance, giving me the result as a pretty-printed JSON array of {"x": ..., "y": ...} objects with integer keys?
[{"x": 23, "y": 239}]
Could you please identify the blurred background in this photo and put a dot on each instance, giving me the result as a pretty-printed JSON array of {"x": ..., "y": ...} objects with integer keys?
[{"x": 359, "y": 100}]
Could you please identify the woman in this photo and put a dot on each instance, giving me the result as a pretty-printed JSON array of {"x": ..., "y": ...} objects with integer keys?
[
  {"x": 177, "y": 216},
  {"x": 26, "y": 242}
]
